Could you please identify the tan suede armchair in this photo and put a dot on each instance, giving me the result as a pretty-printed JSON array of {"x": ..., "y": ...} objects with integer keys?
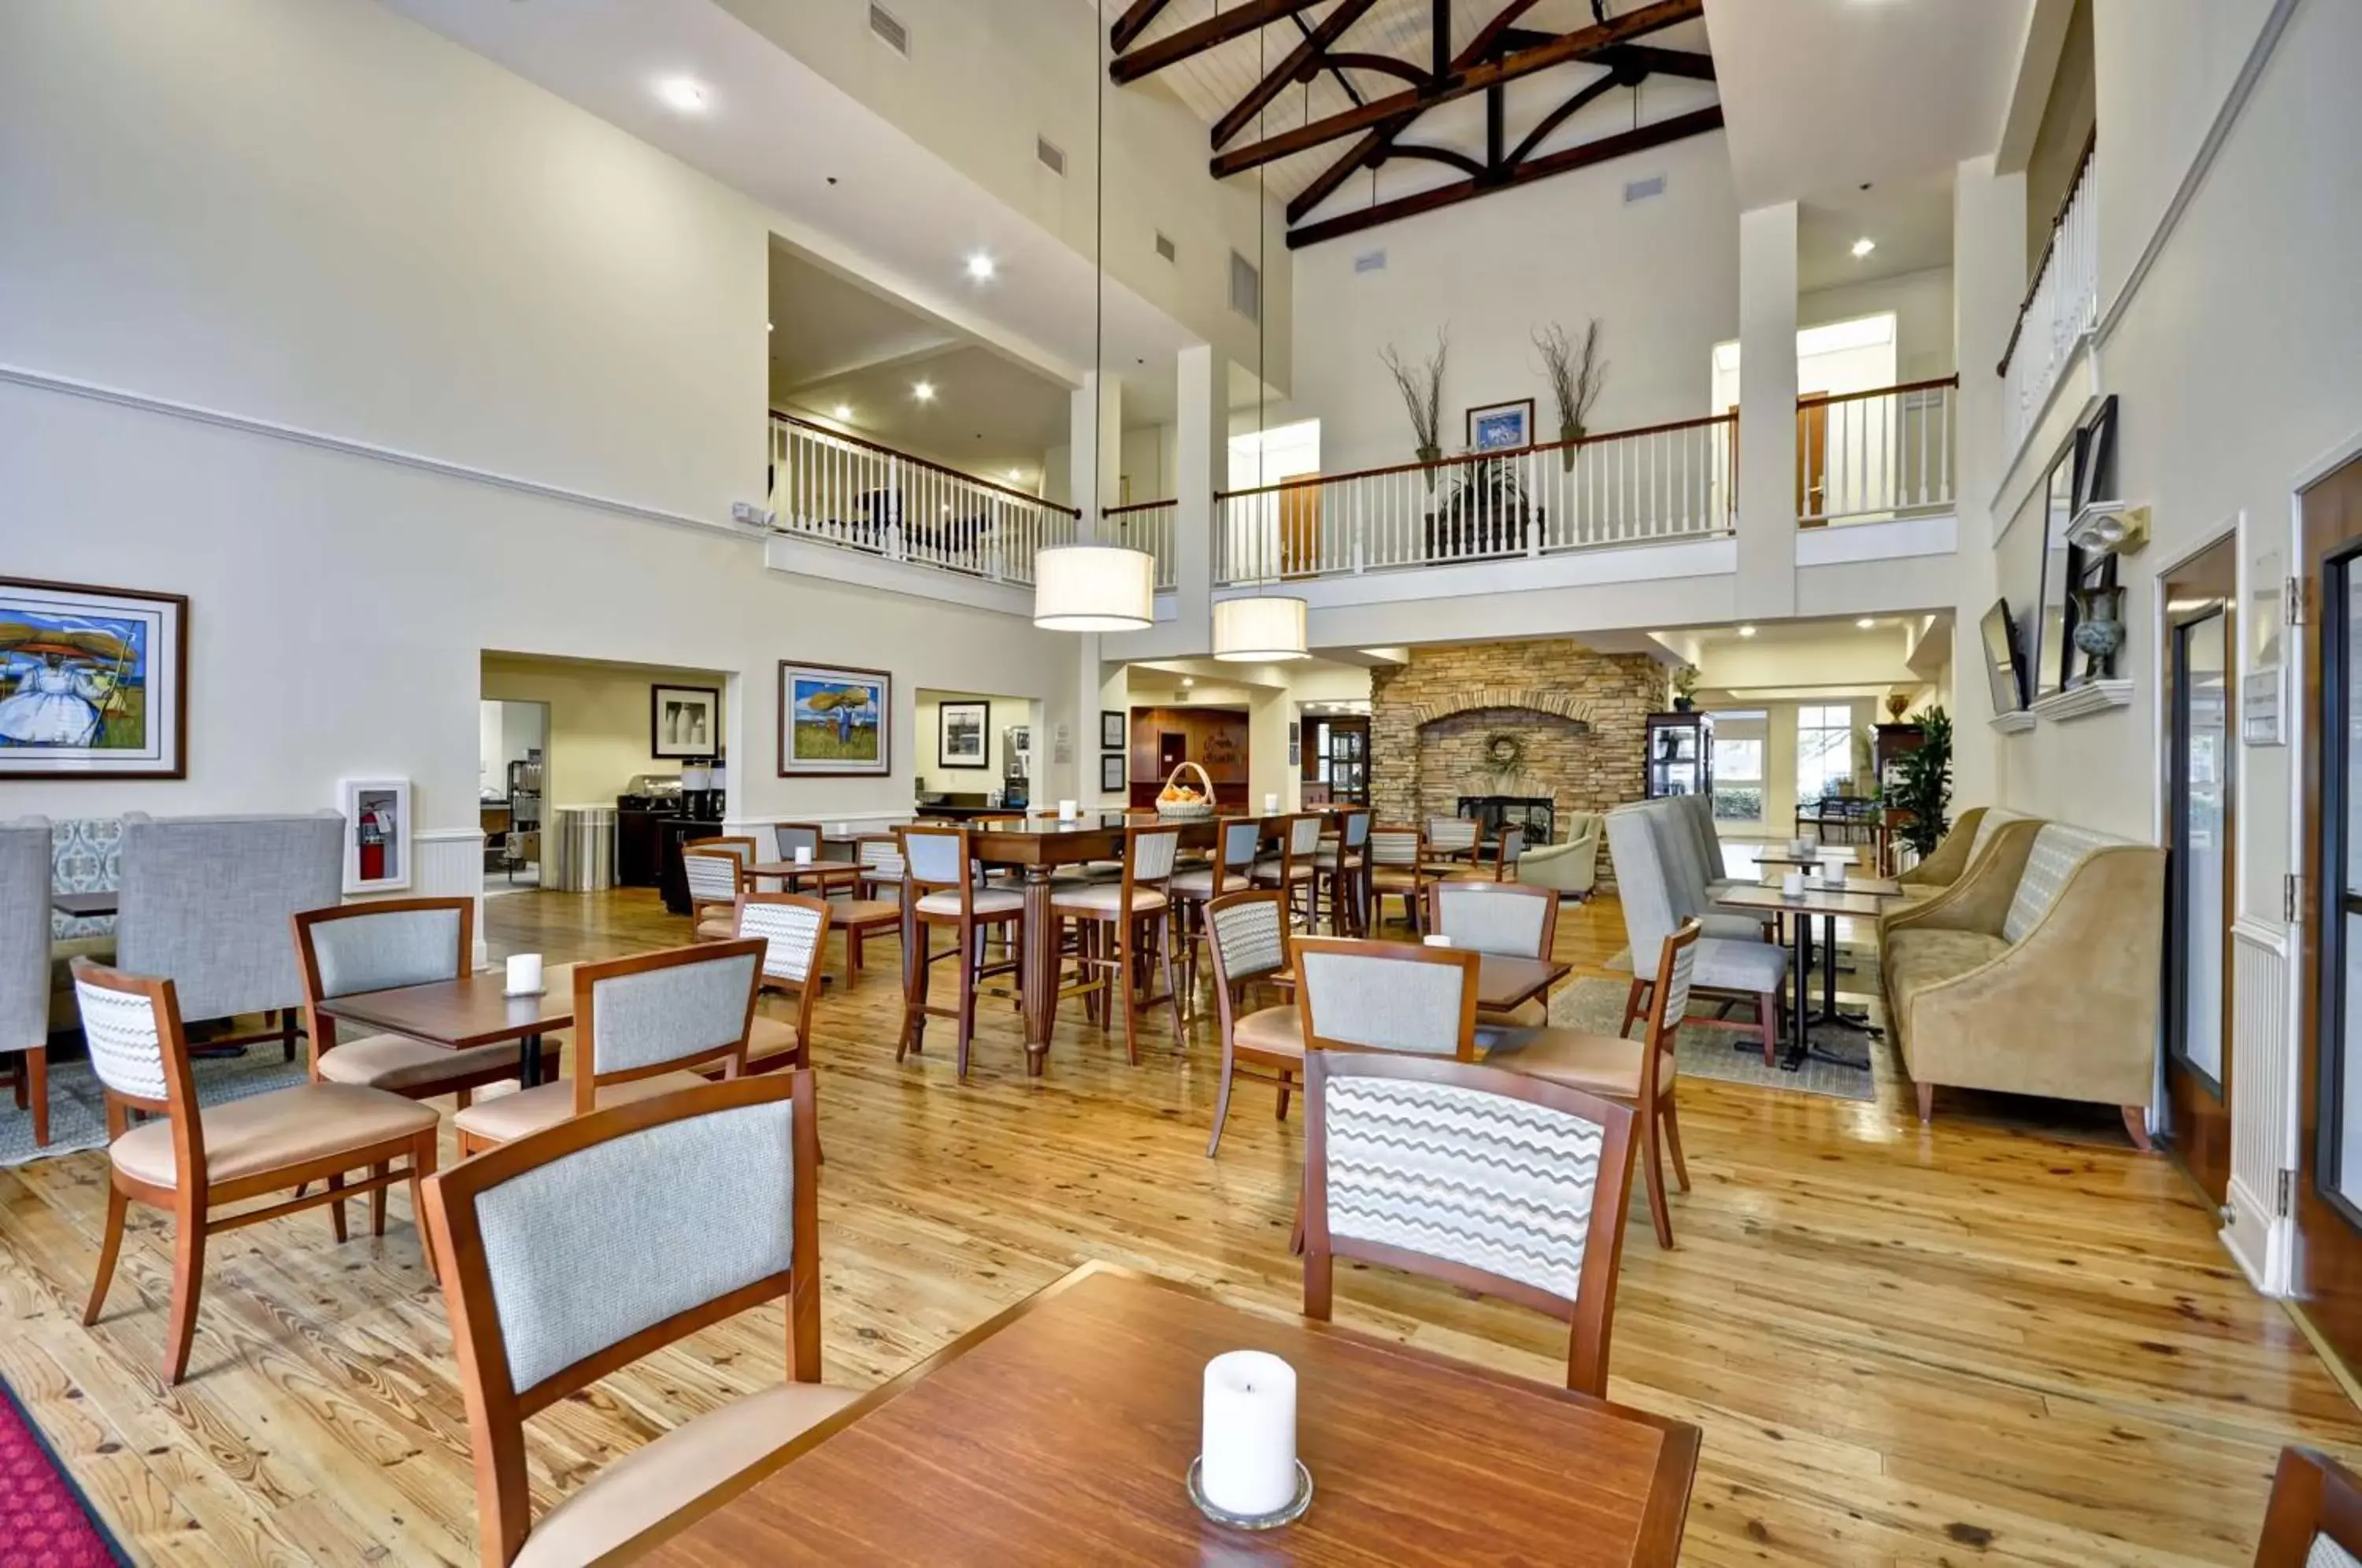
[
  {"x": 2036, "y": 972},
  {"x": 1971, "y": 832}
]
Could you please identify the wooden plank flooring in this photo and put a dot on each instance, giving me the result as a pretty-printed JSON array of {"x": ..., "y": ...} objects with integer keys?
[{"x": 1995, "y": 1342}]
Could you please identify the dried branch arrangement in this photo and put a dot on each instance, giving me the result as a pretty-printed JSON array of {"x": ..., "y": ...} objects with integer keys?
[
  {"x": 1576, "y": 374},
  {"x": 1421, "y": 386}
]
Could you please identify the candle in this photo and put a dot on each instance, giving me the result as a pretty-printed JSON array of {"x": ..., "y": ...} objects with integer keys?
[
  {"x": 525, "y": 974},
  {"x": 1067, "y": 811},
  {"x": 1792, "y": 886},
  {"x": 1834, "y": 871},
  {"x": 1437, "y": 941},
  {"x": 804, "y": 855},
  {"x": 1270, "y": 805},
  {"x": 845, "y": 830},
  {"x": 1247, "y": 1463}
]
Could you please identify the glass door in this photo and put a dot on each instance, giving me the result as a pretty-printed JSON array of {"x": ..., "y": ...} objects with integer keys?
[{"x": 2200, "y": 767}]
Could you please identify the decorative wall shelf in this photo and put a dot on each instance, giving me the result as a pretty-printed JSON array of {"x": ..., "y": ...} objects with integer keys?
[
  {"x": 2016, "y": 721},
  {"x": 2091, "y": 697}
]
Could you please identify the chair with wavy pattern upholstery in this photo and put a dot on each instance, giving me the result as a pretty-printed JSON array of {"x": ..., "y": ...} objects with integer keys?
[{"x": 2314, "y": 1519}]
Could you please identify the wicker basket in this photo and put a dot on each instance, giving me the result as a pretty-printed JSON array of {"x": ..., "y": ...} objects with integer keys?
[{"x": 1188, "y": 810}]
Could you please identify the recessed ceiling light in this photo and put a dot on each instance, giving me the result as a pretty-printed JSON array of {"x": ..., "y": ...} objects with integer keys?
[
  {"x": 843, "y": 411},
  {"x": 770, "y": 326},
  {"x": 1863, "y": 247},
  {"x": 1865, "y": 622},
  {"x": 1745, "y": 631},
  {"x": 924, "y": 391},
  {"x": 680, "y": 93},
  {"x": 1014, "y": 476},
  {"x": 979, "y": 266},
  {"x": 1188, "y": 680}
]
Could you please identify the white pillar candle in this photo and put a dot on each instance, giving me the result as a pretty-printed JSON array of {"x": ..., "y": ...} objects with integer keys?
[
  {"x": 1067, "y": 811},
  {"x": 1834, "y": 871},
  {"x": 1247, "y": 1463},
  {"x": 1270, "y": 805},
  {"x": 804, "y": 855},
  {"x": 1792, "y": 885},
  {"x": 1437, "y": 941},
  {"x": 525, "y": 974}
]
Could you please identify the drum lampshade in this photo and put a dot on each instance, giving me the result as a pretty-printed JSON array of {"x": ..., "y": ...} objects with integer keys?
[
  {"x": 1258, "y": 631},
  {"x": 1094, "y": 588}
]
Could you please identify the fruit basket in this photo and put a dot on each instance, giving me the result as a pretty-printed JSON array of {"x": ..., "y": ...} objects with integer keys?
[{"x": 1180, "y": 801}]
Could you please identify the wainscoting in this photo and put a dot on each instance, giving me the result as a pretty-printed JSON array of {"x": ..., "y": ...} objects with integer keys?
[
  {"x": 2263, "y": 1099},
  {"x": 449, "y": 863}
]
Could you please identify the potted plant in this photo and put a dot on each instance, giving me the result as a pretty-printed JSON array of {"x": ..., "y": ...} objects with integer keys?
[
  {"x": 1686, "y": 685},
  {"x": 1421, "y": 386},
  {"x": 1576, "y": 374},
  {"x": 1922, "y": 784}
]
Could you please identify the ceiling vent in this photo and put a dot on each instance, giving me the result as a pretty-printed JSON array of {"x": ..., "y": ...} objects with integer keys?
[
  {"x": 889, "y": 30},
  {"x": 1246, "y": 288},
  {"x": 1641, "y": 189},
  {"x": 1370, "y": 262},
  {"x": 1052, "y": 159},
  {"x": 1164, "y": 245}
]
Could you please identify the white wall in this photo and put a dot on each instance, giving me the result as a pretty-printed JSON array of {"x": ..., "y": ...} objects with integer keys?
[
  {"x": 927, "y": 737},
  {"x": 599, "y": 736},
  {"x": 1922, "y": 303},
  {"x": 1661, "y": 275}
]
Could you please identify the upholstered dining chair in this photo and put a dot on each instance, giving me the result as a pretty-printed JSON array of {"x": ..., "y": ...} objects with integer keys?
[
  {"x": 1484, "y": 1178},
  {"x": 879, "y": 856},
  {"x": 575, "y": 1251},
  {"x": 2314, "y": 1519},
  {"x": 25, "y": 878},
  {"x": 1248, "y": 940},
  {"x": 1230, "y": 871},
  {"x": 1728, "y": 968},
  {"x": 644, "y": 1025},
  {"x": 1503, "y": 918},
  {"x": 941, "y": 888},
  {"x": 1395, "y": 855},
  {"x": 1343, "y": 863},
  {"x": 831, "y": 876},
  {"x": 794, "y": 929},
  {"x": 716, "y": 868},
  {"x": 1453, "y": 838},
  {"x": 1112, "y": 919},
  {"x": 1360, "y": 994},
  {"x": 1292, "y": 868},
  {"x": 194, "y": 1162}
]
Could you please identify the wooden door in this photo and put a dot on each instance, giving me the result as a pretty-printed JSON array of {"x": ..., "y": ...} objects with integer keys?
[
  {"x": 1299, "y": 529},
  {"x": 1811, "y": 459},
  {"x": 2329, "y": 1143},
  {"x": 2202, "y": 884}
]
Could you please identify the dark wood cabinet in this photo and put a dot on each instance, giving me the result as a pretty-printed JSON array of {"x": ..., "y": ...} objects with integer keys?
[{"x": 1681, "y": 755}]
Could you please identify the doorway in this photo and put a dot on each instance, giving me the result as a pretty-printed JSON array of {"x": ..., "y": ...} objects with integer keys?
[{"x": 2201, "y": 796}]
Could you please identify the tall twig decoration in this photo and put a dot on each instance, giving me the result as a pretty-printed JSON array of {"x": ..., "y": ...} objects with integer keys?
[
  {"x": 1421, "y": 386},
  {"x": 1576, "y": 374}
]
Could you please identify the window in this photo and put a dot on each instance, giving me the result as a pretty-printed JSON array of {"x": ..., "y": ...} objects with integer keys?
[
  {"x": 1739, "y": 767},
  {"x": 1824, "y": 751}
]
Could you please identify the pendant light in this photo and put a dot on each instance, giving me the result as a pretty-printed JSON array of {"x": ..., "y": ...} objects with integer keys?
[
  {"x": 1090, "y": 586},
  {"x": 1259, "y": 630}
]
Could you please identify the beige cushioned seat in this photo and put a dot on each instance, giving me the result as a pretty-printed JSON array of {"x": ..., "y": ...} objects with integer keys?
[
  {"x": 768, "y": 1037},
  {"x": 272, "y": 1131},
  {"x": 1201, "y": 884},
  {"x": 1276, "y": 1030},
  {"x": 1603, "y": 1063},
  {"x": 397, "y": 1062},
  {"x": 1268, "y": 871},
  {"x": 718, "y": 927},
  {"x": 527, "y": 1111},
  {"x": 1106, "y": 899},
  {"x": 651, "y": 1484},
  {"x": 1917, "y": 958},
  {"x": 985, "y": 901}
]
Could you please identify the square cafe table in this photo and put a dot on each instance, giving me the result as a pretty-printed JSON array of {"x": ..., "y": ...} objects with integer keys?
[
  {"x": 1061, "y": 1432},
  {"x": 468, "y": 1011},
  {"x": 1828, "y": 901}
]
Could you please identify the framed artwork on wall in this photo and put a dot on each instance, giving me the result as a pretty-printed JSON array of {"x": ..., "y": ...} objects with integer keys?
[
  {"x": 91, "y": 681},
  {"x": 834, "y": 721},
  {"x": 2054, "y": 626},
  {"x": 684, "y": 721},
  {"x": 1501, "y": 426},
  {"x": 1113, "y": 727},
  {"x": 377, "y": 833},
  {"x": 960, "y": 731},
  {"x": 1112, "y": 775}
]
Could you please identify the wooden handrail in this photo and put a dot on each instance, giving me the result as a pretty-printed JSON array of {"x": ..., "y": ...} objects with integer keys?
[
  {"x": 1305, "y": 479},
  {"x": 783, "y": 417},
  {"x": 1137, "y": 506},
  {"x": 1814, "y": 400},
  {"x": 2050, "y": 243}
]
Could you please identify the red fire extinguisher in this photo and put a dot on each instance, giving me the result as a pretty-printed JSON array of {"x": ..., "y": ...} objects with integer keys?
[{"x": 373, "y": 845}]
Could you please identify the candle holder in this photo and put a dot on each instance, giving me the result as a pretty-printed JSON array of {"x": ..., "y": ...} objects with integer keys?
[{"x": 1288, "y": 1514}]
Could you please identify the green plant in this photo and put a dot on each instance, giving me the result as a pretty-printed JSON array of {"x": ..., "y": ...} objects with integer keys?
[
  {"x": 1923, "y": 784},
  {"x": 1685, "y": 681}
]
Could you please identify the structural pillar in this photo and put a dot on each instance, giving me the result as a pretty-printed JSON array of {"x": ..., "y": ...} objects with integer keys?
[
  {"x": 1099, "y": 400},
  {"x": 1767, "y": 412},
  {"x": 1201, "y": 457}
]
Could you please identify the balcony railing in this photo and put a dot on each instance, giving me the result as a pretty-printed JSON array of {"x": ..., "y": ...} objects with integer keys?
[
  {"x": 1663, "y": 484},
  {"x": 840, "y": 490},
  {"x": 1872, "y": 456},
  {"x": 2061, "y": 305},
  {"x": 1149, "y": 525}
]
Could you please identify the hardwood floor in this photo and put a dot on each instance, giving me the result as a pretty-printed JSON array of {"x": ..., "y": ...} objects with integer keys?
[{"x": 1979, "y": 1343}]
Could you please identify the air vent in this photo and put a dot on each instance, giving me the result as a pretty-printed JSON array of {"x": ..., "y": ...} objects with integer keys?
[
  {"x": 1641, "y": 189},
  {"x": 889, "y": 30},
  {"x": 1246, "y": 288},
  {"x": 1052, "y": 159},
  {"x": 1164, "y": 245},
  {"x": 1370, "y": 262}
]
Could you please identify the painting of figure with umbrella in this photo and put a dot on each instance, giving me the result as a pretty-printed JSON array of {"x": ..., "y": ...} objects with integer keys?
[
  {"x": 90, "y": 682},
  {"x": 833, "y": 720}
]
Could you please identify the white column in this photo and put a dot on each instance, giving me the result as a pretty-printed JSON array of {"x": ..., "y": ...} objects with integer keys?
[
  {"x": 1201, "y": 455},
  {"x": 1767, "y": 411},
  {"x": 1099, "y": 399}
]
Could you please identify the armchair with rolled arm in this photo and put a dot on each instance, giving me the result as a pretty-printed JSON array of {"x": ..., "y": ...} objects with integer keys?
[{"x": 1573, "y": 868}]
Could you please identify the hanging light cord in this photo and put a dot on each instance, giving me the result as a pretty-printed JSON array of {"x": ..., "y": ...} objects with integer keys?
[{"x": 1099, "y": 281}]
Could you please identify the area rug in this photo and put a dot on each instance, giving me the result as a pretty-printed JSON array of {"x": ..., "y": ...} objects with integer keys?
[
  {"x": 1597, "y": 1007},
  {"x": 45, "y": 1520},
  {"x": 78, "y": 1103}
]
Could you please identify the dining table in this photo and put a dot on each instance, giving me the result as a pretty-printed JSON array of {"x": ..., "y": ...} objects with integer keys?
[
  {"x": 86, "y": 906},
  {"x": 1062, "y": 1432},
  {"x": 468, "y": 1011},
  {"x": 1856, "y": 897},
  {"x": 827, "y": 875}
]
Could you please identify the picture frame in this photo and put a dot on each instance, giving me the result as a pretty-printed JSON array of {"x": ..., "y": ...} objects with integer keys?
[
  {"x": 2095, "y": 456},
  {"x": 1114, "y": 727},
  {"x": 1114, "y": 770},
  {"x": 94, "y": 681},
  {"x": 961, "y": 729},
  {"x": 2052, "y": 664},
  {"x": 835, "y": 721},
  {"x": 684, "y": 721},
  {"x": 1500, "y": 426},
  {"x": 377, "y": 833}
]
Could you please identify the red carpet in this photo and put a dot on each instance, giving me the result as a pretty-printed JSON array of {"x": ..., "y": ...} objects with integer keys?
[{"x": 43, "y": 1520}]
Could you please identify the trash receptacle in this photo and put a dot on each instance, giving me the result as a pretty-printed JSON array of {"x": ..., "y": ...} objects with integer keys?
[{"x": 584, "y": 849}]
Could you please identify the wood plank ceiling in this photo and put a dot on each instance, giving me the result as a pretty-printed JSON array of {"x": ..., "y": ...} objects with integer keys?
[{"x": 1358, "y": 112}]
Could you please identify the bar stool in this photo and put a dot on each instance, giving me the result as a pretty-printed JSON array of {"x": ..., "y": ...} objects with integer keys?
[
  {"x": 1119, "y": 910},
  {"x": 1342, "y": 862},
  {"x": 941, "y": 888},
  {"x": 1235, "y": 844},
  {"x": 1292, "y": 869}
]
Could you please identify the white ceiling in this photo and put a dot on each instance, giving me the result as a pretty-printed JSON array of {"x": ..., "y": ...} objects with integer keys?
[
  {"x": 1822, "y": 95},
  {"x": 1911, "y": 219}
]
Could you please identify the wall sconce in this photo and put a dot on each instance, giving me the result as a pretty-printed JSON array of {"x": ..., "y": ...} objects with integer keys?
[{"x": 2103, "y": 527}]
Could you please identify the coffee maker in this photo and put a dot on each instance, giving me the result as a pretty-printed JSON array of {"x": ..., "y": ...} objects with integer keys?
[
  {"x": 1016, "y": 767},
  {"x": 702, "y": 790}
]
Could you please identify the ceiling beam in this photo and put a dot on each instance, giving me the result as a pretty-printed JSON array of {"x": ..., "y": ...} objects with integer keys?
[
  {"x": 1469, "y": 166},
  {"x": 1590, "y": 92},
  {"x": 1567, "y": 47},
  {"x": 1304, "y": 56},
  {"x": 1681, "y": 126},
  {"x": 1133, "y": 22},
  {"x": 1348, "y": 59},
  {"x": 1661, "y": 62},
  {"x": 1175, "y": 47}
]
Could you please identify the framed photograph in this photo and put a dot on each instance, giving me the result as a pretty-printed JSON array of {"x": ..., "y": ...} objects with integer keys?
[
  {"x": 377, "y": 833},
  {"x": 1114, "y": 730},
  {"x": 1112, "y": 775},
  {"x": 1501, "y": 426},
  {"x": 2095, "y": 456},
  {"x": 834, "y": 721},
  {"x": 684, "y": 721},
  {"x": 1021, "y": 738},
  {"x": 92, "y": 681},
  {"x": 2054, "y": 625},
  {"x": 960, "y": 731}
]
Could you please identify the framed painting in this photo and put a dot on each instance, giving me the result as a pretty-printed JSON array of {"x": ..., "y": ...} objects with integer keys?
[
  {"x": 92, "y": 681},
  {"x": 684, "y": 721},
  {"x": 832, "y": 720},
  {"x": 1114, "y": 729},
  {"x": 377, "y": 833},
  {"x": 1112, "y": 775},
  {"x": 1501, "y": 426},
  {"x": 960, "y": 731}
]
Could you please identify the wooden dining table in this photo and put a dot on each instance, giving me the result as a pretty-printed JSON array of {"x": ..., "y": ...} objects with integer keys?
[
  {"x": 1062, "y": 1432},
  {"x": 470, "y": 1011}
]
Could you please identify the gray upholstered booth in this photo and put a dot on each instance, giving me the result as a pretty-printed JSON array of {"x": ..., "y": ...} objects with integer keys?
[{"x": 25, "y": 965}]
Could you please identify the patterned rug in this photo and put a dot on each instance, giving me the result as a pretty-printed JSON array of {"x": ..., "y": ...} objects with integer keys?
[
  {"x": 1597, "y": 1007},
  {"x": 78, "y": 1105},
  {"x": 45, "y": 1521}
]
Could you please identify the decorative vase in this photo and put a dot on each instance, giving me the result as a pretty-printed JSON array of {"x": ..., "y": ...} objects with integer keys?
[
  {"x": 1570, "y": 432},
  {"x": 2099, "y": 630},
  {"x": 1895, "y": 704},
  {"x": 1683, "y": 704},
  {"x": 1429, "y": 455}
]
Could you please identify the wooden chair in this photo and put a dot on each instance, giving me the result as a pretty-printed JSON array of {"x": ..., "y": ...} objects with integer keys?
[
  {"x": 2314, "y": 1519},
  {"x": 939, "y": 888},
  {"x": 1248, "y": 938},
  {"x": 1508, "y": 848},
  {"x": 1292, "y": 868},
  {"x": 1453, "y": 838},
  {"x": 1395, "y": 853},
  {"x": 1236, "y": 841},
  {"x": 1110, "y": 921},
  {"x": 644, "y": 1025},
  {"x": 575, "y": 1251},
  {"x": 195, "y": 1160},
  {"x": 1360, "y": 994},
  {"x": 794, "y": 929},
  {"x": 376, "y": 946},
  {"x": 879, "y": 856},
  {"x": 716, "y": 868},
  {"x": 1500, "y": 918},
  {"x": 828, "y": 877},
  {"x": 1343, "y": 863},
  {"x": 1487, "y": 1179}
]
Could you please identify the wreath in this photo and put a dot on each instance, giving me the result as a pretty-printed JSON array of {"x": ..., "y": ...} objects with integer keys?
[{"x": 1505, "y": 754}]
